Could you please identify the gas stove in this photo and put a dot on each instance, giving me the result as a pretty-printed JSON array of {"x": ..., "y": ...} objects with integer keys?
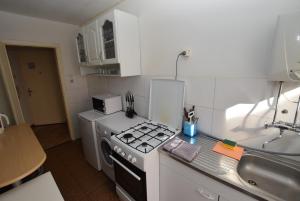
[
  {"x": 136, "y": 160},
  {"x": 135, "y": 155},
  {"x": 145, "y": 136},
  {"x": 135, "y": 143}
]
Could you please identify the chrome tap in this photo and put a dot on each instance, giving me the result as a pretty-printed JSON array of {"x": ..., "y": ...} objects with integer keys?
[{"x": 282, "y": 126}]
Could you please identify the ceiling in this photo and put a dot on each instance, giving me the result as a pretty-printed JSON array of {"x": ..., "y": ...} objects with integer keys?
[{"x": 68, "y": 11}]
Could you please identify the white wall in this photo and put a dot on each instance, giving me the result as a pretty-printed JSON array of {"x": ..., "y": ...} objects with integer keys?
[
  {"x": 225, "y": 77},
  {"x": 22, "y": 28}
]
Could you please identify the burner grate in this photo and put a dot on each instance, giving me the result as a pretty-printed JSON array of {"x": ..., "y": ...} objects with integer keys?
[{"x": 145, "y": 136}]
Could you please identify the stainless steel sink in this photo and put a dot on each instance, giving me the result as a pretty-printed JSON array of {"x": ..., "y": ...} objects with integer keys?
[{"x": 273, "y": 175}]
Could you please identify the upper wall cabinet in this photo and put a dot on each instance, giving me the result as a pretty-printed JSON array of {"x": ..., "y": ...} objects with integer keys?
[{"x": 112, "y": 44}]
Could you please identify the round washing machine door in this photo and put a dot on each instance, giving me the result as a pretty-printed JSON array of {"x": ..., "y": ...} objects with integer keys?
[{"x": 106, "y": 151}]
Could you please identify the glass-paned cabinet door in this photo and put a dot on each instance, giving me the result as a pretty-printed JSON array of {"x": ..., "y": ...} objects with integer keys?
[
  {"x": 108, "y": 40},
  {"x": 81, "y": 48}
]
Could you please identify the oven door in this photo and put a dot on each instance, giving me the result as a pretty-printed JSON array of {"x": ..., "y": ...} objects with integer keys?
[{"x": 130, "y": 178}]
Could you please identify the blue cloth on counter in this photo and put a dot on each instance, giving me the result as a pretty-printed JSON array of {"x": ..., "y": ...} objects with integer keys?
[{"x": 182, "y": 149}]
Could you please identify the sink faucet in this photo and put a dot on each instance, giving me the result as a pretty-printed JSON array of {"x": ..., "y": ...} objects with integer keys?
[{"x": 280, "y": 124}]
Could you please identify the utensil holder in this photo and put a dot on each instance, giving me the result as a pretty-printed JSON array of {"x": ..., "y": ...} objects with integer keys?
[{"x": 189, "y": 129}]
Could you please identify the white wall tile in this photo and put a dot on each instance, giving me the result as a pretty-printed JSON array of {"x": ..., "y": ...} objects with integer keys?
[
  {"x": 247, "y": 95},
  {"x": 199, "y": 91},
  {"x": 136, "y": 85},
  {"x": 141, "y": 106},
  {"x": 205, "y": 116},
  {"x": 97, "y": 85},
  {"x": 240, "y": 128},
  {"x": 116, "y": 85}
]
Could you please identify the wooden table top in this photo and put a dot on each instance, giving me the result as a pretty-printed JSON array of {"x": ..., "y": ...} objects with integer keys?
[{"x": 20, "y": 154}]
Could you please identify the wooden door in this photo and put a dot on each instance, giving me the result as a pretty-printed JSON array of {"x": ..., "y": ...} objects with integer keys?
[
  {"x": 93, "y": 43},
  {"x": 36, "y": 77},
  {"x": 9, "y": 90}
]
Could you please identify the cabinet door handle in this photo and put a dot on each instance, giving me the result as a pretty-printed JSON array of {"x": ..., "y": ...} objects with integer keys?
[{"x": 206, "y": 194}]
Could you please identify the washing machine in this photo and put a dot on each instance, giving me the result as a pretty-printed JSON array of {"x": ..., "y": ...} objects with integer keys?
[
  {"x": 105, "y": 128},
  {"x": 105, "y": 150}
]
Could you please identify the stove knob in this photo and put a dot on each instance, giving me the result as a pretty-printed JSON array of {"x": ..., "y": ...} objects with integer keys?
[
  {"x": 115, "y": 148},
  {"x": 129, "y": 157},
  {"x": 123, "y": 154},
  {"x": 133, "y": 160},
  {"x": 119, "y": 150}
]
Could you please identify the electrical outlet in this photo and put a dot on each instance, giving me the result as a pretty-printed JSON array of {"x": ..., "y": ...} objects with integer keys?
[{"x": 187, "y": 53}]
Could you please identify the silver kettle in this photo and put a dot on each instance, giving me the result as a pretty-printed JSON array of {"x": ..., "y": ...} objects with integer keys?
[{"x": 2, "y": 124}]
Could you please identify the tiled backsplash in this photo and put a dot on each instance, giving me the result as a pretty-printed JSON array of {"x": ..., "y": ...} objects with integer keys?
[{"x": 236, "y": 108}]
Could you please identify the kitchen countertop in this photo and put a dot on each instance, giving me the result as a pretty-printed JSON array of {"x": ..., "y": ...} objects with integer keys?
[
  {"x": 218, "y": 167},
  {"x": 40, "y": 188},
  {"x": 20, "y": 152}
]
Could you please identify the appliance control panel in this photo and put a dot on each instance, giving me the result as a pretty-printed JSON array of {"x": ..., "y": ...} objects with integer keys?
[{"x": 131, "y": 157}]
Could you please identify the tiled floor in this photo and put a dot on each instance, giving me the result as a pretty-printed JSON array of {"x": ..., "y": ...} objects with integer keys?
[
  {"x": 52, "y": 135},
  {"x": 76, "y": 179}
]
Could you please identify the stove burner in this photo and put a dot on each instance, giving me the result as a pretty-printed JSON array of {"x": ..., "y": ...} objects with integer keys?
[
  {"x": 160, "y": 134},
  {"x": 145, "y": 137},
  {"x": 144, "y": 144},
  {"x": 127, "y": 135},
  {"x": 144, "y": 127}
]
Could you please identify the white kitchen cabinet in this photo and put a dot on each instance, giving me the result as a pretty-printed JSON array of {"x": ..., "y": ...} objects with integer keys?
[
  {"x": 179, "y": 182},
  {"x": 113, "y": 45},
  {"x": 93, "y": 44},
  {"x": 119, "y": 34}
]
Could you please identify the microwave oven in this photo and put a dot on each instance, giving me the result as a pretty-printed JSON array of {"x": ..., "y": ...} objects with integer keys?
[{"x": 107, "y": 103}]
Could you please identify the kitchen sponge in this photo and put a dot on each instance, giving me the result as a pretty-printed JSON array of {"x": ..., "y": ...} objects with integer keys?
[{"x": 229, "y": 144}]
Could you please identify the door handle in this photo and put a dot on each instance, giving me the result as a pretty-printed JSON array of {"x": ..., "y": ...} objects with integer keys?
[
  {"x": 206, "y": 194},
  {"x": 29, "y": 91}
]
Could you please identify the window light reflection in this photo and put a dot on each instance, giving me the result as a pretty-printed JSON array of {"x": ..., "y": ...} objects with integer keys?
[{"x": 241, "y": 109}]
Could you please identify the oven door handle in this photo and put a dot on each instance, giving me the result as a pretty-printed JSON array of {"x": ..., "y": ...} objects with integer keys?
[{"x": 125, "y": 168}]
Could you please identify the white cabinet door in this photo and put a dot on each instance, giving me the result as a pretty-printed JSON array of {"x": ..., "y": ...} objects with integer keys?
[
  {"x": 107, "y": 33},
  {"x": 81, "y": 47},
  {"x": 179, "y": 182},
  {"x": 93, "y": 44},
  {"x": 176, "y": 187}
]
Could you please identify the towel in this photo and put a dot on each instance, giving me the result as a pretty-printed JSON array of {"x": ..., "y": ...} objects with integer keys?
[{"x": 182, "y": 149}]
